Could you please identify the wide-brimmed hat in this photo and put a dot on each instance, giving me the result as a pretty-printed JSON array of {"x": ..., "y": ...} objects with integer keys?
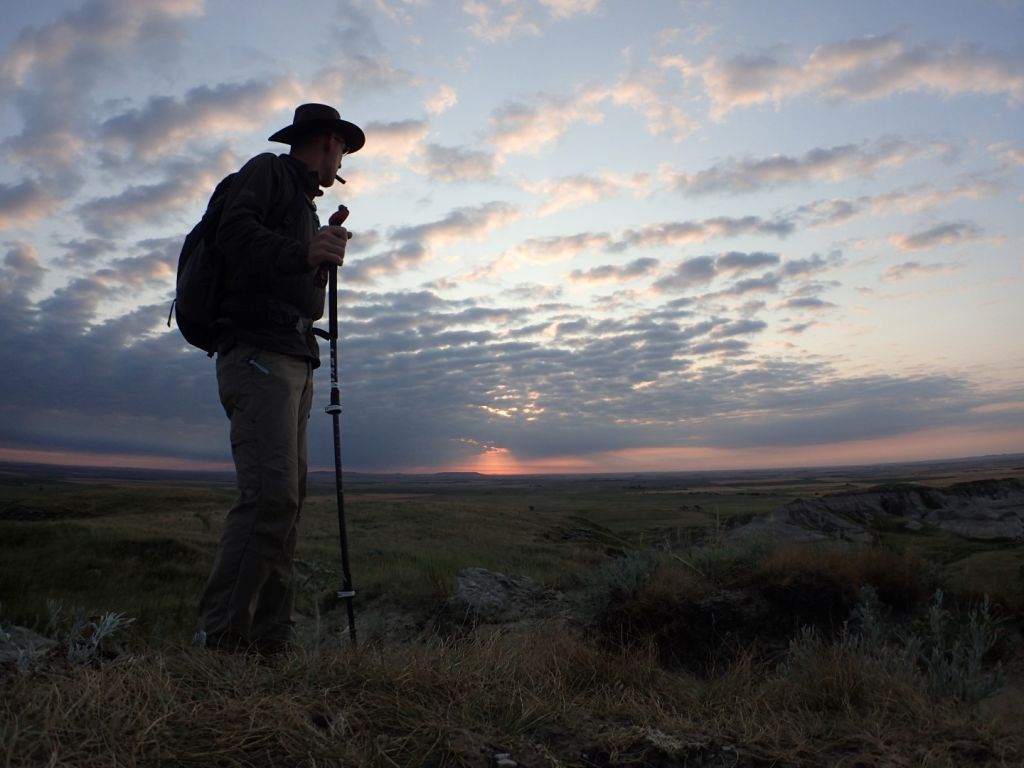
[{"x": 320, "y": 117}]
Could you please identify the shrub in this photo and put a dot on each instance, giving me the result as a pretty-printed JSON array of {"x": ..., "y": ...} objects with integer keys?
[
  {"x": 952, "y": 649},
  {"x": 724, "y": 562},
  {"x": 900, "y": 579},
  {"x": 615, "y": 582},
  {"x": 947, "y": 649},
  {"x": 83, "y": 639}
]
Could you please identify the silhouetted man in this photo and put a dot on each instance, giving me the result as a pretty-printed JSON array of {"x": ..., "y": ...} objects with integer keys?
[{"x": 276, "y": 258}]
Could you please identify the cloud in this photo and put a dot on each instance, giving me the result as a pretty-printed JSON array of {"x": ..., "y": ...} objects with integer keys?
[
  {"x": 917, "y": 199},
  {"x": 456, "y": 164},
  {"x": 740, "y": 328},
  {"x": 414, "y": 245},
  {"x": 72, "y": 43},
  {"x": 48, "y": 145},
  {"x": 1008, "y": 153},
  {"x": 534, "y": 292},
  {"x": 725, "y": 348},
  {"x": 807, "y": 302},
  {"x": 768, "y": 283},
  {"x": 444, "y": 99},
  {"x": 565, "y": 9},
  {"x": 186, "y": 183},
  {"x": 831, "y": 212},
  {"x": 950, "y": 71},
  {"x": 546, "y": 250},
  {"x": 203, "y": 113},
  {"x": 394, "y": 141},
  {"x": 139, "y": 272},
  {"x": 355, "y": 73},
  {"x": 500, "y": 21},
  {"x": 690, "y": 232},
  {"x": 397, "y": 9},
  {"x": 24, "y": 203},
  {"x": 436, "y": 375},
  {"x": 939, "y": 235},
  {"x": 688, "y": 273},
  {"x": 519, "y": 128},
  {"x": 833, "y": 164},
  {"x": 909, "y": 270},
  {"x": 528, "y": 128},
  {"x": 734, "y": 261},
  {"x": 73, "y": 308},
  {"x": 741, "y": 81},
  {"x": 367, "y": 270},
  {"x": 430, "y": 381},
  {"x": 472, "y": 223},
  {"x": 541, "y": 250},
  {"x": 85, "y": 250},
  {"x": 49, "y": 71},
  {"x": 21, "y": 272},
  {"x": 816, "y": 263},
  {"x": 572, "y": 191},
  {"x": 612, "y": 273},
  {"x": 496, "y": 23},
  {"x": 704, "y": 269},
  {"x": 858, "y": 69},
  {"x": 110, "y": 216},
  {"x": 642, "y": 91}
]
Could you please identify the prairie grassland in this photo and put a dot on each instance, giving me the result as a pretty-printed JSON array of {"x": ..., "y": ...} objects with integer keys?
[{"x": 681, "y": 648}]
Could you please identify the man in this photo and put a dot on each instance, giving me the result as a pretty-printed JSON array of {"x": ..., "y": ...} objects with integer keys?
[{"x": 276, "y": 259}]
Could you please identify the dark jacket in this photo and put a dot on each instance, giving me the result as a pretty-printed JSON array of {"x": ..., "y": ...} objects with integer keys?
[{"x": 272, "y": 295}]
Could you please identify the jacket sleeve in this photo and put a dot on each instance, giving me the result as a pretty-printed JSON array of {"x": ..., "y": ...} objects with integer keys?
[{"x": 244, "y": 235}]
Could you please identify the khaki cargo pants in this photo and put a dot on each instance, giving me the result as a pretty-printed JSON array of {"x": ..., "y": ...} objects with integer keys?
[{"x": 250, "y": 592}]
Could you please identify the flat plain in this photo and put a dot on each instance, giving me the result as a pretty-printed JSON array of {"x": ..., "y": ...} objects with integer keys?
[{"x": 644, "y": 564}]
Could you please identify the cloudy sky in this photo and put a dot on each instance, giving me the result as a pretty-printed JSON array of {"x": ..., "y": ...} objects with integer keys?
[{"x": 591, "y": 235}]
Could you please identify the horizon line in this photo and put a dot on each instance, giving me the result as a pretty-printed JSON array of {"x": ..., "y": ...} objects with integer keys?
[{"x": 219, "y": 468}]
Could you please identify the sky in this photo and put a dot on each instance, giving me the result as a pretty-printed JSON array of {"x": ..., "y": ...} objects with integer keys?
[{"x": 589, "y": 235}]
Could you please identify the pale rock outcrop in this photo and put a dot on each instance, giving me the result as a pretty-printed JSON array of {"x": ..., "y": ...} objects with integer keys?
[{"x": 984, "y": 509}]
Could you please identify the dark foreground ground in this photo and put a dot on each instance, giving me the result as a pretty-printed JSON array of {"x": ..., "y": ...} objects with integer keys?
[{"x": 624, "y": 626}]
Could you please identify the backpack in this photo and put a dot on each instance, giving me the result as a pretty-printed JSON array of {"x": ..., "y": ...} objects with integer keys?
[
  {"x": 200, "y": 283},
  {"x": 199, "y": 289}
]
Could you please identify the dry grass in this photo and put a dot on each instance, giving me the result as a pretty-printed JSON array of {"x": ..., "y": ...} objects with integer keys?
[
  {"x": 549, "y": 698},
  {"x": 902, "y": 579},
  {"x": 614, "y": 689}
]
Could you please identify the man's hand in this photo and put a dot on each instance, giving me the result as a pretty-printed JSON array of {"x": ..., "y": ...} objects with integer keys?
[{"x": 328, "y": 247}]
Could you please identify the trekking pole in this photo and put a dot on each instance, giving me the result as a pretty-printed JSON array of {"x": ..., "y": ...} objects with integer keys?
[{"x": 347, "y": 592}]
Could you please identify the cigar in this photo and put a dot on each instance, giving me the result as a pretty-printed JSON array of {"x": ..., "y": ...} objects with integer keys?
[{"x": 338, "y": 178}]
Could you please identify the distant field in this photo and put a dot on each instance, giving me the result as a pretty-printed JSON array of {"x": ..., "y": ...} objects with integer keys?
[
  {"x": 679, "y": 647},
  {"x": 142, "y": 542}
]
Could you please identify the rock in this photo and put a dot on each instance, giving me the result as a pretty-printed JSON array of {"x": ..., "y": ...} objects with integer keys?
[
  {"x": 802, "y": 521},
  {"x": 485, "y": 597},
  {"x": 985, "y": 509}
]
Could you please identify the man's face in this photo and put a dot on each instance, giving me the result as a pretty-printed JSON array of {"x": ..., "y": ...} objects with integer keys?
[{"x": 334, "y": 151}]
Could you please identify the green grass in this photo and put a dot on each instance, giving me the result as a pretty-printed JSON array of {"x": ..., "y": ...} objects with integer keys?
[
  {"x": 674, "y": 656},
  {"x": 145, "y": 548}
]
